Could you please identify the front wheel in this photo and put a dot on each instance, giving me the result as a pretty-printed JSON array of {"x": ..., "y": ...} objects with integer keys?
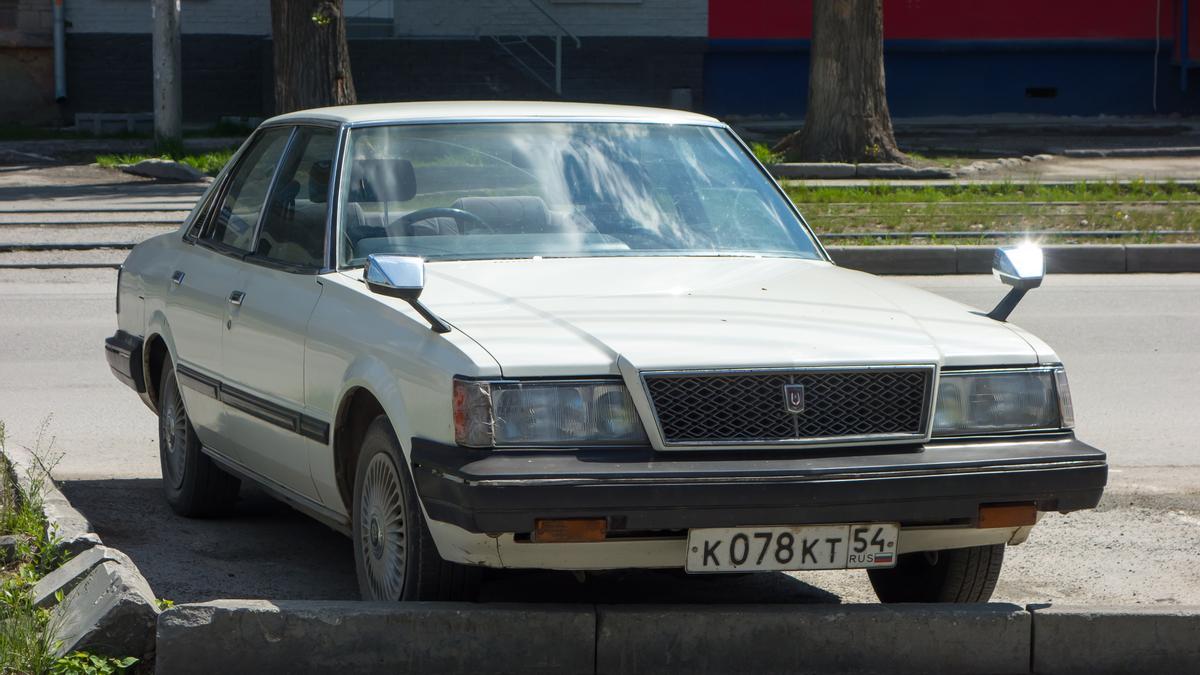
[
  {"x": 395, "y": 557},
  {"x": 955, "y": 575}
]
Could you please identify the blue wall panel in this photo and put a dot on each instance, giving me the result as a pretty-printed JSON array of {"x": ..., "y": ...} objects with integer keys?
[{"x": 926, "y": 78}]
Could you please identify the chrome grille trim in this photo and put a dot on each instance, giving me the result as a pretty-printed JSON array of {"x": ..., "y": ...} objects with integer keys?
[{"x": 764, "y": 420}]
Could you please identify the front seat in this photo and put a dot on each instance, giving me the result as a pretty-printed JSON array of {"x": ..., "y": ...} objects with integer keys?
[
  {"x": 376, "y": 181},
  {"x": 508, "y": 215}
]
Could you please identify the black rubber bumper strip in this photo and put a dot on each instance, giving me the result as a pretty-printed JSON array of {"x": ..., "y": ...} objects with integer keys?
[
  {"x": 638, "y": 489},
  {"x": 271, "y": 413},
  {"x": 123, "y": 352}
]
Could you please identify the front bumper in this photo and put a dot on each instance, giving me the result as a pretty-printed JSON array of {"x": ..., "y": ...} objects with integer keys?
[{"x": 641, "y": 491}]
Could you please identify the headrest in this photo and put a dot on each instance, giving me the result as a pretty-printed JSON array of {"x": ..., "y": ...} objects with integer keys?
[
  {"x": 382, "y": 180},
  {"x": 508, "y": 215},
  {"x": 318, "y": 182}
]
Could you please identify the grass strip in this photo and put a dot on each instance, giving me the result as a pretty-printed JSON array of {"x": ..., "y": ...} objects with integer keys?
[{"x": 28, "y": 634}]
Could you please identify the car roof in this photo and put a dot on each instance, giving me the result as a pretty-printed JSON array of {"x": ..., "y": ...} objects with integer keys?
[{"x": 468, "y": 111}]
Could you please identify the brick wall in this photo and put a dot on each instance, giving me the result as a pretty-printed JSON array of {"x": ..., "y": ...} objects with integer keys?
[
  {"x": 224, "y": 17},
  {"x": 222, "y": 75},
  {"x": 630, "y": 70},
  {"x": 673, "y": 18},
  {"x": 35, "y": 16}
]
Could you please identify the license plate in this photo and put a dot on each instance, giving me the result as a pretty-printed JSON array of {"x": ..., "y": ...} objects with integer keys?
[{"x": 806, "y": 547}]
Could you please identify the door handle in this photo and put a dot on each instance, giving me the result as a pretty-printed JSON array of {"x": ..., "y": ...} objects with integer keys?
[
  {"x": 177, "y": 277},
  {"x": 236, "y": 297}
]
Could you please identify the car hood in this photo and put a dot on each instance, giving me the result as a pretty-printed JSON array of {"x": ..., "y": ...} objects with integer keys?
[{"x": 584, "y": 316}]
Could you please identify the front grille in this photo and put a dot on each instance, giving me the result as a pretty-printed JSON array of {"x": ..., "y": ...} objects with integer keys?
[{"x": 750, "y": 407}]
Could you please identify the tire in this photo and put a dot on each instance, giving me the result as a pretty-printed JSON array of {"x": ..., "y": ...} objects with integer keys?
[
  {"x": 955, "y": 575},
  {"x": 395, "y": 557},
  {"x": 195, "y": 487}
]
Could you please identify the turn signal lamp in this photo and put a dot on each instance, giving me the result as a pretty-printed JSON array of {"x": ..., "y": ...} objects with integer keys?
[
  {"x": 568, "y": 530},
  {"x": 1007, "y": 515}
]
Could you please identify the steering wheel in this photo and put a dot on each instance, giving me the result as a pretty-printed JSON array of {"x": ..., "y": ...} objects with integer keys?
[{"x": 441, "y": 212}]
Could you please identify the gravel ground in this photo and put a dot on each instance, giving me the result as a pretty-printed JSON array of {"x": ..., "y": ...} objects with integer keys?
[
  {"x": 1137, "y": 548},
  {"x": 60, "y": 235},
  {"x": 88, "y": 188},
  {"x": 96, "y": 256}
]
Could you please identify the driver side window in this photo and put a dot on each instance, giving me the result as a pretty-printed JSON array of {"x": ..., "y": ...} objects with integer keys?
[
  {"x": 294, "y": 222},
  {"x": 236, "y": 217}
]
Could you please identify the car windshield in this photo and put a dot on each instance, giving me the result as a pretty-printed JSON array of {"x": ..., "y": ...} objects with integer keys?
[{"x": 465, "y": 191}]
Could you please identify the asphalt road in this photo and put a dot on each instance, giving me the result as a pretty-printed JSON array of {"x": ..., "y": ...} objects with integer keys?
[{"x": 1129, "y": 342}]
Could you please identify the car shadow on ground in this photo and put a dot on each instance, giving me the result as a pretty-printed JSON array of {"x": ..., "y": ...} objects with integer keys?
[{"x": 268, "y": 550}]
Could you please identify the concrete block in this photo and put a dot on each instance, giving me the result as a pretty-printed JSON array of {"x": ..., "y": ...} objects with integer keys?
[
  {"x": 812, "y": 170},
  {"x": 885, "y": 170},
  {"x": 369, "y": 637},
  {"x": 897, "y": 259},
  {"x": 72, "y": 529},
  {"x": 163, "y": 169},
  {"x": 1162, "y": 257},
  {"x": 1085, "y": 259},
  {"x": 112, "y": 612},
  {"x": 63, "y": 521},
  {"x": 696, "y": 640},
  {"x": 68, "y": 576},
  {"x": 8, "y": 548},
  {"x": 975, "y": 259},
  {"x": 1097, "y": 640}
]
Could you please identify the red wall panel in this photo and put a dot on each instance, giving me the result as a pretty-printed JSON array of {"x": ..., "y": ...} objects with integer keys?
[{"x": 957, "y": 19}]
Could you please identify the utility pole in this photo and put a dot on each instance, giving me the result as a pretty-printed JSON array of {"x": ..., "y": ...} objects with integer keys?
[{"x": 168, "y": 88}]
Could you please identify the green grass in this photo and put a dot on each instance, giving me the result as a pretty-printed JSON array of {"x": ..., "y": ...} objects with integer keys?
[
  {"x": 1143, "y": 208},
  {"x": 764, "y": 154},
  {"x": 209, "y": 163},
  {"x": 28, "y": 642},
  {"x": 992, "y": 192}
]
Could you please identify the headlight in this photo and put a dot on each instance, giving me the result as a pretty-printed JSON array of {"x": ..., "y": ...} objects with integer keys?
[
  {"x": 986, "y": 402},
  {"x": 544, "y": 412}
]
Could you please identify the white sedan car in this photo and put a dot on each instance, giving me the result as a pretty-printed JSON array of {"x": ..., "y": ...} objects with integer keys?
[{"x": 581, "y": 337}]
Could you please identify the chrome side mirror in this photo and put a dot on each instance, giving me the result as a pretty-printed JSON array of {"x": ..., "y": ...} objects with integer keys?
[
  {"x": 1022, "y": 267},
  {"x": 402, "y": 276}
]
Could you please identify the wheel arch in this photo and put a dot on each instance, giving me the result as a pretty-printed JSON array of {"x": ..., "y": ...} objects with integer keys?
[
  {"x": 360, "y": 403},
  {"x": 358, "y": 408},
  {"x": 155, "y": 354}
]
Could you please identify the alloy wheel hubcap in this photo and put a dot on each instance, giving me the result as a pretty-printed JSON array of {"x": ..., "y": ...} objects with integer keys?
[
  {"x": 382, "y": 540},
  {"x": 174, "y": 434}
]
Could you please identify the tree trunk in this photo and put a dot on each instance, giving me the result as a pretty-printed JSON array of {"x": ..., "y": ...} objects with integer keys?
[
  {"x": 847, "y": 118},
  {"x": 312, "y": 63}
]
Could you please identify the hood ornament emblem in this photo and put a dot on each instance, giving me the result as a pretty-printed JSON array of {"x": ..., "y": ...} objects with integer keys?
[{"x": 793, "y": 397}]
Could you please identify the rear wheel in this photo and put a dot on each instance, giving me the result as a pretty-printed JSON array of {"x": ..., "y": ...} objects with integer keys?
[
  {"x": 193, "y": 484},
  {"x": 955, "y": 575},
  {"x": 394, "y": 554}
]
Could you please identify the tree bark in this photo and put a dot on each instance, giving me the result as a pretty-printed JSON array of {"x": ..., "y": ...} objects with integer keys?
[
  {"x": 312, "y": 62},
  {"x": 847, "y": 118}
]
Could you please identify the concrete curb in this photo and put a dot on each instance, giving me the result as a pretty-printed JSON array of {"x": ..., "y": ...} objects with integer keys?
[
  {"x": 361, "y": 637},
  {"x": 828, "y": 170},
  {"x": 258, "y": 636},
  {"x": 992, "y": 639},
  {"x": 1060, "y": 259},
  {"x": 71, "y": 527},
  {"x": 1098, "y": 640},
  {"x": 107, "y": 605}
]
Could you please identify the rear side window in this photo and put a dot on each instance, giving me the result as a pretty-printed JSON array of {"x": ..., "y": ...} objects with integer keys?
[
  {"x": 238, "y": 212},
  {"x": 293, "y": 229}
]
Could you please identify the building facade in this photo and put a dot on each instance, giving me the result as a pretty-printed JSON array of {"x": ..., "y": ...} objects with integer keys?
[
  {"x": 27, "y": 61},
  {"x": 727, "y": 57}
]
